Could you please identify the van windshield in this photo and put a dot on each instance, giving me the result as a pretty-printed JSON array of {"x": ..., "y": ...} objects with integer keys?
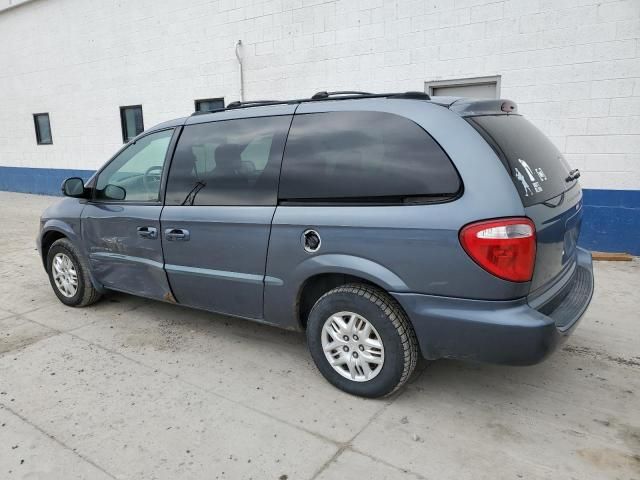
[{"x": 536, "y": 166}]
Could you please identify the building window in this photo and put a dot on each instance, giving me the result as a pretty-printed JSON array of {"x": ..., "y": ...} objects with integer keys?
[
  {"x": 43, "y": 128},
  {"x": 131, "y": 120},
  {"x": 478, "y": 87},
  {"x": 209, "y": 104}
]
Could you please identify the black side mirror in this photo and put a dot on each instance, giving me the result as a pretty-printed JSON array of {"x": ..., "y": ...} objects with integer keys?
[
  {"x": 114, "y": 192},
  {"x": 73, "y": 187}
]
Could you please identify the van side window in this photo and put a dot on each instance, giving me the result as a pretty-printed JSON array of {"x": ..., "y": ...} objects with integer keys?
[
  {"x": 363, "y": 157},
  {"x": 230, "y": 162},
  {"x": 137, "y": 169}
]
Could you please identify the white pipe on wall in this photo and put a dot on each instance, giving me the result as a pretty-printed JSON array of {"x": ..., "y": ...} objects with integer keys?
[{"x": 239, "y": 57}]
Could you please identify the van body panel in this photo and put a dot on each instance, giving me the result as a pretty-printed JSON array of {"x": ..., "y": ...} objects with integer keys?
[
  {"x": 220, "y": 267},
  {"x": 250, "y": 261}
]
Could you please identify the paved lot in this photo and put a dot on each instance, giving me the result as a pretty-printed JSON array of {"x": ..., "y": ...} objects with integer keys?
[{"x": 137, "y": 389}]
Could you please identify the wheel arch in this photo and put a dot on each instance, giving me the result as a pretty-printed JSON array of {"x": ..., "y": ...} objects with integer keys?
[
  {"x": 325, "y": 272},
  {"x": 55, "y": 230},
  {"x": 48, "y": 239}
]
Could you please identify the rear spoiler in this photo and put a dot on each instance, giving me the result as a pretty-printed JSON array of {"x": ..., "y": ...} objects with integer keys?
[{"x": 467, "y": 107}]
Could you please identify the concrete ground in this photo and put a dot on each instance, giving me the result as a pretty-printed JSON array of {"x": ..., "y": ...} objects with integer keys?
[{"x": 137, "y": 389}]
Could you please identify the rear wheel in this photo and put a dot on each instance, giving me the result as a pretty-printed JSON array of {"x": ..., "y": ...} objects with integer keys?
[
  {"x": 69, "y": 275},
  {"x": 361, "y": 340}
]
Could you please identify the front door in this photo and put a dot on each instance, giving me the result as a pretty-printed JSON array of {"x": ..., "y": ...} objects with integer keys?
[
  {"x": 220, "y": 200},
  {"x": 121, "y": 223}
]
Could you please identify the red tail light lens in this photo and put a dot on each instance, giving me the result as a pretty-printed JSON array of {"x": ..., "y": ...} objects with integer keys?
[{"x": 505, "y": 248}]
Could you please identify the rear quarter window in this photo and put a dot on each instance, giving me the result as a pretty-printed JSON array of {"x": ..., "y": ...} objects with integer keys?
[
  {"x": 363, "y": 157},
  {"x": 536, "y": 166}
]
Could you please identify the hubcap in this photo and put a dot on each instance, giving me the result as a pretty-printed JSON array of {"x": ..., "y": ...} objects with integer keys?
[
  {"x": 352, "y": 346},
  {"x": 64, "y": 275}
]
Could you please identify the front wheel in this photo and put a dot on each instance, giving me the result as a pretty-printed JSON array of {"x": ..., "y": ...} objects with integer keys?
[
  {"x": 69, "y": 275},
  {"x": 361, "y": 340}
]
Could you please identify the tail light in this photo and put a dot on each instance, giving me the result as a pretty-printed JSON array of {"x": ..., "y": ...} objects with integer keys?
[{"x": 505, "y": 247}]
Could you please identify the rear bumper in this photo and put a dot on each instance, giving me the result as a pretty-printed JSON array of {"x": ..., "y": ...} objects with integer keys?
[{"x": 517, "y": 332}]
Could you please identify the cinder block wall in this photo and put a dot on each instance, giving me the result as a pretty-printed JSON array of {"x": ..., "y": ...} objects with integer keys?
[{"x": 573, "y": 67}]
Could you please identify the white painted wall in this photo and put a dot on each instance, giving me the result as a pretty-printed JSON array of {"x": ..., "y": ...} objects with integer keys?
[
  {"x": 573, "y": 66},
  {"x": 6, "y": 4}
]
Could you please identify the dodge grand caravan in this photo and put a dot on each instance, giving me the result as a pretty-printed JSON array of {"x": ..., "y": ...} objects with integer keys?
[{"x": 384, "y": 225}]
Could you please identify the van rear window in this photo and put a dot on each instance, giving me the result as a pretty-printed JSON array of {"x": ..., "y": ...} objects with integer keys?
[{"x": 536, "y": 166}]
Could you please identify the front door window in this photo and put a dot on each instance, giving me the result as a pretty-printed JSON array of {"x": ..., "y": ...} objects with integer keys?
[{"x": 137, "y": 170}]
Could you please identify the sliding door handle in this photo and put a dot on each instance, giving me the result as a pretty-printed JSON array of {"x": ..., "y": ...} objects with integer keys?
[
  {"x": 147, "y": 232},
  {"x": 177, "y": 234}
]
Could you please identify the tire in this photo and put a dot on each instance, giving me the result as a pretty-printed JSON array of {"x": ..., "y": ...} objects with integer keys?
[
  {"x": 85, "y": 294},
  {"x": 391, "y": 326}
]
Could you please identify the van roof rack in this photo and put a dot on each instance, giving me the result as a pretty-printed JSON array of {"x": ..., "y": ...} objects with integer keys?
[
  {"x": 204, "y": 112},
  {"x": 324, "y": 95},
  {"x": 251, "y": 103},
  {"x": 355, "y": 94},
  {"x": 320, "y": 96}
]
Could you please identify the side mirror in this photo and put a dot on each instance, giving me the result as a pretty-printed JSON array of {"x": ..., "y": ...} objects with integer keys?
[
  {"x": 114, "y": 192},
  {"x": 73, "y": 187}
]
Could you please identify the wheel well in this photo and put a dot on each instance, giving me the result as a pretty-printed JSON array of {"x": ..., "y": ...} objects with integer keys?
[
  {"x": 316, "y": 286},
  {"x": 47, "y": 240}
]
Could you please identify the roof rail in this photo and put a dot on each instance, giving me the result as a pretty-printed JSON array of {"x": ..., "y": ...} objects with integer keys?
[
  {"x": 204, "y": 112},
  {"x": 411, "y": 95},
  {"x": 355, "y": 94},
  {"x": 251, "y": 103},
  {"x": 324, "y": 94},
  {"x": 319, "y": 96}
]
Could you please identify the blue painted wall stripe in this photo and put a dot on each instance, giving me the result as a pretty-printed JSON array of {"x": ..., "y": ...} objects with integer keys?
[
  {"x": 45, "y": 181},
  {"x": 611, "y": 217},
  {"x": 611, "y": 221}
]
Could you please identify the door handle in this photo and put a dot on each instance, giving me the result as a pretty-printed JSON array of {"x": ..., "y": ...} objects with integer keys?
[
  {"x": 147, "y": 232},
  {"x": 177, "y": 234}
]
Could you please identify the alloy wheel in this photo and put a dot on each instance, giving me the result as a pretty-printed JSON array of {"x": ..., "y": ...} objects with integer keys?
[
  {"x": 64, "y": 275},
  {"x": 352, "y": 346}
]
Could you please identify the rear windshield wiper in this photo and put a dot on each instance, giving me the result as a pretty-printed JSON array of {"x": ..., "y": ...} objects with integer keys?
[
  {"x": 573, "y": 175},
  {"x": 551, "y": 205}
]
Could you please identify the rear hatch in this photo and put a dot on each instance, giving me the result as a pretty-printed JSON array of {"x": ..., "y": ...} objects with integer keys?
[{"x": 550, "y": 194}]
